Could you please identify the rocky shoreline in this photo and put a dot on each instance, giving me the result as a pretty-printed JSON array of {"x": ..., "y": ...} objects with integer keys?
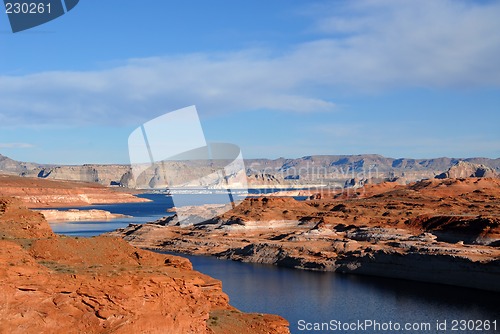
[{"x": 438, "y": 231}]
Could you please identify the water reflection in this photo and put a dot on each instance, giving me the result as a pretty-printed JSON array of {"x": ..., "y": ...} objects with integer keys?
[{"x": 320, "y": 297}]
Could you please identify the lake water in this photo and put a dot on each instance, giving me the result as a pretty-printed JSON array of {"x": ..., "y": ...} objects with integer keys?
[
  {"x": 141, "y": 213},
  {"x": 305, "y": 298},
  {"x": 321, "y": 297}
]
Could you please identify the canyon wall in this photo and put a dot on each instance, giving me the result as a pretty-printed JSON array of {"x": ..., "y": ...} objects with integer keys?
[{"x": 329, "y": 170}]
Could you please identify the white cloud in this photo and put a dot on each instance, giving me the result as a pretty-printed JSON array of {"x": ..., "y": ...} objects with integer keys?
[
  {"x": 390, "y": 43},
  {"x": 362, "y": 46},
  {"x": 16, "y": 145}
]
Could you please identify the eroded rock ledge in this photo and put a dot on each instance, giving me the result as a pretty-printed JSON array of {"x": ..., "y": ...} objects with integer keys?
[
  {"x": 56, "y": 284},
  {"x": 38, "y": 193},
  {"x": 440, "y": 231}
]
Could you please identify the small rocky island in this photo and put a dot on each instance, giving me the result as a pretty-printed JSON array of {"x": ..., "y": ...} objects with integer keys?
[{"x": 53, "y": 215}]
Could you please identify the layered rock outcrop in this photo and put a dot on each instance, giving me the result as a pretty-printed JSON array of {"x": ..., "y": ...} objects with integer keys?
[
  {"x": 464, "y": 169},
  {"x": 36, "y": 192}
]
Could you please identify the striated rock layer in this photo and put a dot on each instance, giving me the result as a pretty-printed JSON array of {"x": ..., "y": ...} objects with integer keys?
[
  {"x": 51, "y": 284},
  {"x": 307, "y": 171},
  {"x": 441, "y": 231},
  {"x": 48, "y": 193}
]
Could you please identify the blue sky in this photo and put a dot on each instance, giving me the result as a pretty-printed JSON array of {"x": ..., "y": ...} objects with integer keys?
[{"x": 416, "y": 79}]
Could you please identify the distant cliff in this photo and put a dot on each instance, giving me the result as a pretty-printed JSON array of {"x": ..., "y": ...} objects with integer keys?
[
  {"x": 464, "y": 169},
  {"x": 331, "y": 170}
]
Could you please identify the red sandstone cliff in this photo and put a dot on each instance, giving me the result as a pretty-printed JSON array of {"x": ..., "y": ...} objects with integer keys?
[
  {"x": 55, "y": 284},
  {"x": 35, "y": 192}
]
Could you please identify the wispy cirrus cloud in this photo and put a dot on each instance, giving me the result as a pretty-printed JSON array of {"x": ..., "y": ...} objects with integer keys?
[
  {"x": 16, "y": 145},
  {"x": 428, "y": 43},
  {"x": 360, "y": 46}
]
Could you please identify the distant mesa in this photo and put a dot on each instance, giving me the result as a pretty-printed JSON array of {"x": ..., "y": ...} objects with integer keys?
[
  {"x": 333, "y": 171},
  {"x": 464, "y": 169}
]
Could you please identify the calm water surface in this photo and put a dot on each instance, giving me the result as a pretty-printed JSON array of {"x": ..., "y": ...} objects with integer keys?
[
  {"x": 321, "y": 297},
  {"x": 315, "y": 297},
  {"x": 141, "y": 213}
]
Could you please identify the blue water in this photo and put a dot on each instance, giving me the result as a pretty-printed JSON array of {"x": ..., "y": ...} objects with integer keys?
[
  {"x": 141, "y": 212},
  {"x": 314, "y": 297},
  {"x": 320, "y": 297}
]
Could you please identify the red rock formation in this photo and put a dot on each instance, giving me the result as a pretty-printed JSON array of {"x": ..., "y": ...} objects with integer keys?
[
  {"x": 57, "y": 284},
  {"x": 445, "y": 231},
  {"x": 40, "y": 192}
]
